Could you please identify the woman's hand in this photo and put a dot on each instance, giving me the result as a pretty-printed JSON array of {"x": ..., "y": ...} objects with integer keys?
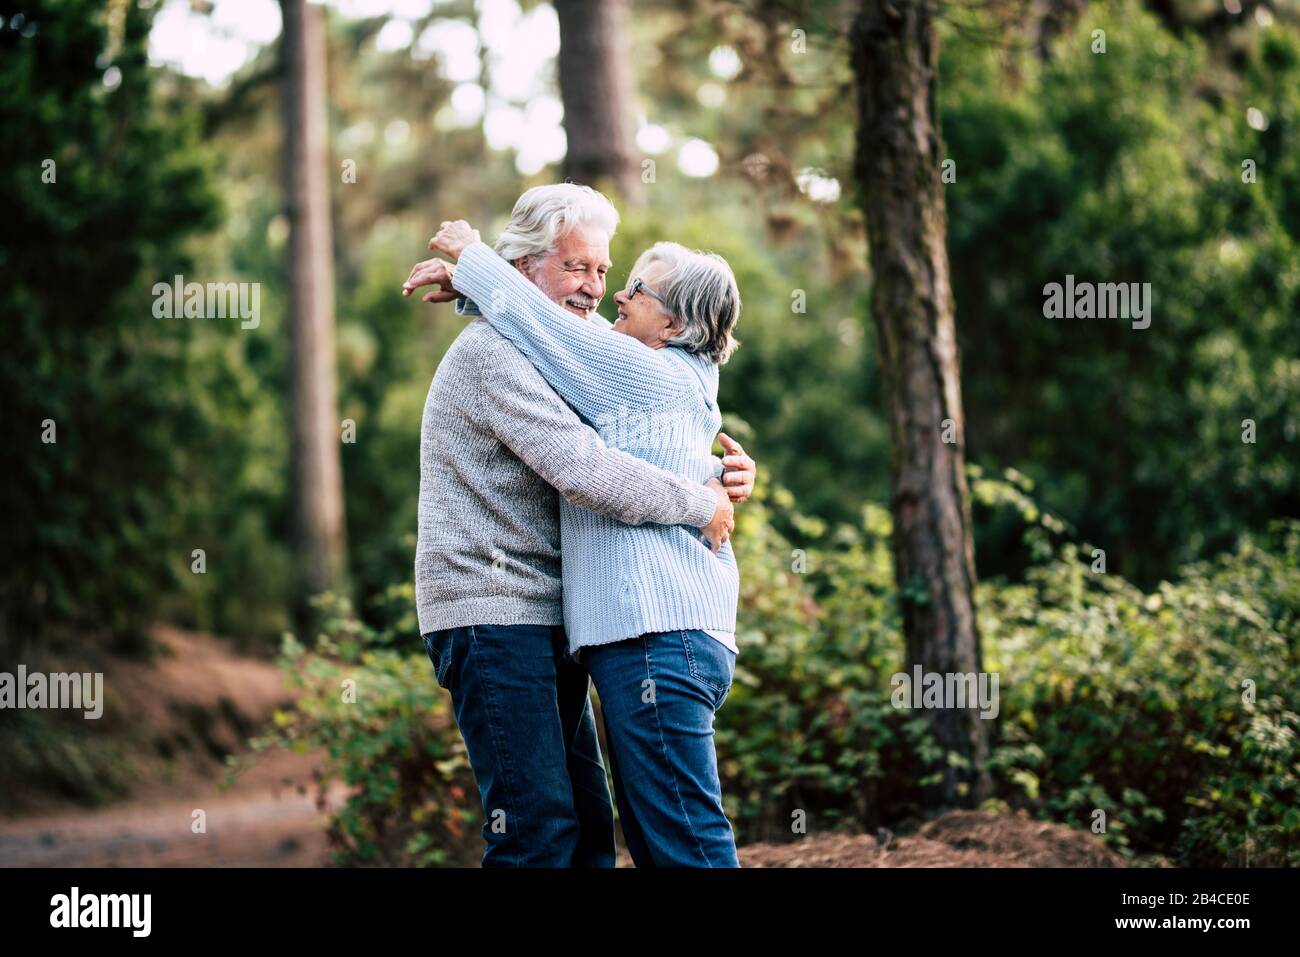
[{"x": 453, "y": 237}]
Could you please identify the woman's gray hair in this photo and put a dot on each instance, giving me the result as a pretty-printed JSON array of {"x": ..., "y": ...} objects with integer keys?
[
  {"x": 544, "y": 214},
  {"x": 700, "y": 291}
]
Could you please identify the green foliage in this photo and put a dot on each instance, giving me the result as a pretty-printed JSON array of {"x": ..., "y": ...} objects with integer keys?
[
  {"x": 1127, "y": 166},
  {"x": 1111, "y": 698},
  {"x": 1174, "y": 712},
  {"x": 46, "y": 754},
  {"x": 808, "y": 725},
  {"x": 389, "y": 737},
  {"x": 91, "y": 515}
]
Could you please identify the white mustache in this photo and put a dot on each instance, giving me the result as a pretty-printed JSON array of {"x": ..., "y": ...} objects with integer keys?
[{"x": 582, "y": 302}]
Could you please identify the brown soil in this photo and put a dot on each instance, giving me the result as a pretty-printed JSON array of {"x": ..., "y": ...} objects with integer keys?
[
  {"x": 268, "y": 819},
  {"x": 178, "y": 717},
  {"x": 957, "y": 839}
]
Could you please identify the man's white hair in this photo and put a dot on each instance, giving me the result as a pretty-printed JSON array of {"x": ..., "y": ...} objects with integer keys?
[{"x": 544, "y": 214}]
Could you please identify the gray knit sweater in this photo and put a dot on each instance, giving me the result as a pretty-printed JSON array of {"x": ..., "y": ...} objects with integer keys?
[{"x": 494, "y": 435}]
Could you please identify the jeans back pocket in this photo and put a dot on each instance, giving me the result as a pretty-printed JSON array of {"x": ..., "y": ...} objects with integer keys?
[{"x": 711, "y": 663}]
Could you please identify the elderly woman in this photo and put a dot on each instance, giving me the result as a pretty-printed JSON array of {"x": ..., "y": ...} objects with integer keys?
[{"x": 651, "y": 609}]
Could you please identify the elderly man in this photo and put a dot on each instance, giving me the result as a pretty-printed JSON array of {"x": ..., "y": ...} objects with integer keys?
[{"x": 497, "y": 446}]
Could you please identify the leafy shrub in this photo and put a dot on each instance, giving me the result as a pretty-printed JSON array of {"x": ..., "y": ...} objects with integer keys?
[
  {"x": 1140, "y": 704},
  {"x": 808, "y": 725},
  {"x": 389, "y": 736},
  {"x": 1128, "y": 167},
  {"x": 47, "y": 752},
  {"x": 1111, "y": 698}
]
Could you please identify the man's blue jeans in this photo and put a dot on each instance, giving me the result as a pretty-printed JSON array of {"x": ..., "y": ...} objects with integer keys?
[
  {"x": 524, "y": 710},
  {"x": 658, "y": 694}
]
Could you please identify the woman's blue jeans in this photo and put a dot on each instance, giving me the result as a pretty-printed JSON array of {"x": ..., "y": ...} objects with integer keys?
[{"x": 659, "y": 694}]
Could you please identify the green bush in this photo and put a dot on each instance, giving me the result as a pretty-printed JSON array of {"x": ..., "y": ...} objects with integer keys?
[
  {"x": 1127, "y": 166},
  {"x": 47, "y": 753},
  {"x": 1111, "y": 698},
  {"x": 808, "y": 725},
  {"x": 389, "y": 736},
  {"x": 1140, "y": 705}
]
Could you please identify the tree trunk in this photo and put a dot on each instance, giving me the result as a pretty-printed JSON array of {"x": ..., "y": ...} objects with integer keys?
[
  {"x": 1051, "y": 18},
  {"x": 317, "y": 471},
  {"x": 899, "y": 152},
  {"x": 597, "y": 87}
]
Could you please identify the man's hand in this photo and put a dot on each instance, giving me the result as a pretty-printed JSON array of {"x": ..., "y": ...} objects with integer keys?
[
  {"x": 738, "y": 469},
  {"x": 724, "y": 518},
  {"x": 431, "y": 272},
  {"x": 453, "y": 237}
]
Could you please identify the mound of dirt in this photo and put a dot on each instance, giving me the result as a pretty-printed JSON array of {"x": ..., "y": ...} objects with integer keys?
[
  {"x": 199, "y": 695},
  {"x": 956, "y": 839},
  {"x": 173, "y": 719}
]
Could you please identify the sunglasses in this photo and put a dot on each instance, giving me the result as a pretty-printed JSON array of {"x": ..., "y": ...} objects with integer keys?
[{"x": 637, "y": 285}]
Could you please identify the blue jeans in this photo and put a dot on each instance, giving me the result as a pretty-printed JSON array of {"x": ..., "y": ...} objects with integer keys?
[
  {"x": 523, "y": 707},
  {"x": 658, "y": 694}
]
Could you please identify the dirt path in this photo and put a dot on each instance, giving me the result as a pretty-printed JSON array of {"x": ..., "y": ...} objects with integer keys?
[
  {"x": 268, "y": 819},
  {"x": 178, "y": 716}
]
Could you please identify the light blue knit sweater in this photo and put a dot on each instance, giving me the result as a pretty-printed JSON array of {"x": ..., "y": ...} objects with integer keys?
[{"x": 620, "y": 581}]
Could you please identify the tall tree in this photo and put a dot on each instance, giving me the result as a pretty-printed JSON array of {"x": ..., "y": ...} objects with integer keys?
[
  {"x": 317, "y": 471},
  {"x": 898, "y": 168},
  {"x": 597, "y": 87}
]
